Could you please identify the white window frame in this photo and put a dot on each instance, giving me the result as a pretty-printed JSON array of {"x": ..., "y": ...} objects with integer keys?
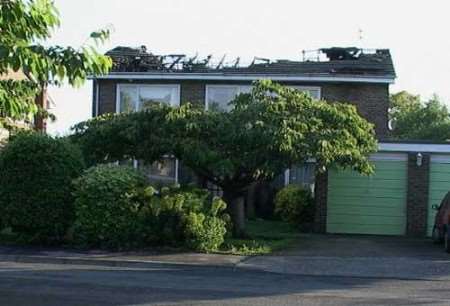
[
  {"x": 240, "y": 89},
  {"x": 308, "y": 88},
  {"x": 174, "y": 103}
]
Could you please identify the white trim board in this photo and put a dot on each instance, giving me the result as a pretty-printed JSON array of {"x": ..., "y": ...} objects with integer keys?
[
  {"x": 413, "y": 147},
  {"x": 242, "y": 77}
]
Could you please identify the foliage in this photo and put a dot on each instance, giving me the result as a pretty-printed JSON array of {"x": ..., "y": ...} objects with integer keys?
[
  {"x": 414, "y": 119},
  {"x": 105, "y": 205},
  {"x": 24, "y": 27},
  {"x": 116, "y": 209},
  {"x": 35, "y": 194},
  {"x": 266, "y": 132},
  {"x": 269, "y": 129},
  {"x": 295, "y": 205},
  {"x": 264, "y": 237},
  {"x": 17, "y": 101}
]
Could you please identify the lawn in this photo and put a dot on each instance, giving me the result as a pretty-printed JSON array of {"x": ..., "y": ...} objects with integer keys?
[{"x": 264, "y": 237}]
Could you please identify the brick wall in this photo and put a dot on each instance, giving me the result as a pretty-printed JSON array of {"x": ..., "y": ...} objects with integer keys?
[
  {"x": 106, "y": 96},
  {"x": 321, "y": 196},
  {"x": 417, "y": 197},
  {"x": 371, "y": 100},
  {"x": 193, "y": 92}
]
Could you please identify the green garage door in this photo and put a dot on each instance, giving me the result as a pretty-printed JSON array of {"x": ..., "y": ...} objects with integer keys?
[
  {"x": 376, "y": 204},
  {"x": 439, "y": 185}
]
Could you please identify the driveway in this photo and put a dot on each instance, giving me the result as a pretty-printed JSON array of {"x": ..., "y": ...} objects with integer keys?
[{"x": 359, "y": 256}]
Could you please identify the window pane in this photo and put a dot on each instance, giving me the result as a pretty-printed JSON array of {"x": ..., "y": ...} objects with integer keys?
[
  {"x": 245, "y": 89},
  {"x": 128, "y": 99},
  {"x": 219, "y": 97},
  {"x": 313, "y": 92},
  {"x": 162, "y": 171},
  {"x": 156, "y": 94},
  {"x": 303, "y": 175}
]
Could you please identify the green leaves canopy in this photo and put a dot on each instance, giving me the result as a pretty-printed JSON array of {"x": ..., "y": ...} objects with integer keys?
[
  {"x": 413, "y": 119},
  {"x": 268, "y": 130},
  {"x": 24, "y": 26}
]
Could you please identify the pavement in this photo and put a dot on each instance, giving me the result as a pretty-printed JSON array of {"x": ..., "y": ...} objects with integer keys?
[
  {"x": 313, "y": 255},
  {"x": 117, "y": 259}
]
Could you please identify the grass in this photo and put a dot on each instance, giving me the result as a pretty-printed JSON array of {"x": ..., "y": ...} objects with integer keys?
[{"x": 265, "y": 237}]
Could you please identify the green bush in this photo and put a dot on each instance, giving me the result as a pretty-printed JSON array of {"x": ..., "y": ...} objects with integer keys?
[
  {"x": 295, "y": 205},
  {"x": 106, "y": 208},
  {"x": 35, "y": 186},
  {"x": 115, "y": 209}
]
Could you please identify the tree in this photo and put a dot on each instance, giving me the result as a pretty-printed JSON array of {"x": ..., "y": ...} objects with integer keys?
[
  {"x": 414, "y": 119},
  {"x": 268, "y": 131},
  {"x": 24, "y": 27}
]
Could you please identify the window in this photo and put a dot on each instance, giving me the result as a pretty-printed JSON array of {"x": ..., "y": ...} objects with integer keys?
[
  {"x": 303, "y": 174},
  {"x": 218, "y": 97},
  {"x": 139, "y": 97},
  {"x": 312, "y": 91},
  {"x": 163, "y": 171}
]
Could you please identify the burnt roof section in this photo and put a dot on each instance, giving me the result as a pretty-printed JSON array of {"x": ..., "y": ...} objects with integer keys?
[{"x": 326, "y": 62}]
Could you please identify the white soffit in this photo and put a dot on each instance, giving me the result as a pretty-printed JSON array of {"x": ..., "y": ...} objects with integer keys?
[
  {"x": 413, "y": 147},
  {"x": 242, "y": 77}
]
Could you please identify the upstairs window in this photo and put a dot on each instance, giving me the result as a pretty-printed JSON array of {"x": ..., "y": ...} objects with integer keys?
[
  {"x": 218, "y": 97},
  {"x": 313, "y": 91},
  {"x": 139, "y": 97}
]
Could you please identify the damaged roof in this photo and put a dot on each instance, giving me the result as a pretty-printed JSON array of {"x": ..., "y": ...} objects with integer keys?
[{"x": 331, "y": 62}]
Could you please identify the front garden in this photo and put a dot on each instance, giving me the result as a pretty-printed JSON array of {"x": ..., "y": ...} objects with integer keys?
[
  {"x": 73, "y": 191},
  {"x": 49, "y": 197}
]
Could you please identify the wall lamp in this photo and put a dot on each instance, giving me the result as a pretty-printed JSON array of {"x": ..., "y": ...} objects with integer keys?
[{"x": 419, "y": 158}]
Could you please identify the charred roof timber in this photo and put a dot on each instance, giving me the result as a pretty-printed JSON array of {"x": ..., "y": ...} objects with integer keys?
[{"x": 326, "y": 61}]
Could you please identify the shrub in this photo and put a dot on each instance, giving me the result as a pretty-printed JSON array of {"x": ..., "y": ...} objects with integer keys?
[
  {"x": 188, "y": 218},
  {"x": 115, "y": 209},
  {"x": 35, "y": 186},
  {"x": 106, "y": 208},
  {"x": 295, "y": 205},
  {"x": 205, "y": 230}
]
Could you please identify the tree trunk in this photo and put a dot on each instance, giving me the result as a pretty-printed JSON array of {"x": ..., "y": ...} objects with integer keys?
[
  {"x": 236, "y": 209},
  {"x": 41, "y": 101},
  {"x": 250, "y": 201}
]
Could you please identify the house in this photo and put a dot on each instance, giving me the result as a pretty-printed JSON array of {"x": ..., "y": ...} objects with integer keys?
[
  {"x": 394, "y": 201},
  {"x": 41, "y": 99}
]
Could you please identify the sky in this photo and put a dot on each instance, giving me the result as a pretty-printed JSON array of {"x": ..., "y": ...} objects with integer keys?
[{"x": 416, "y": 32}]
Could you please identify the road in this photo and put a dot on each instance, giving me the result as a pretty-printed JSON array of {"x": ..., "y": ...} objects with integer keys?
[{"x": 49, "y": 284}]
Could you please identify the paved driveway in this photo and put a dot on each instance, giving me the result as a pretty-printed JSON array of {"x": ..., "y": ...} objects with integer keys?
[
  {"x": 366, "y": 246},
  {"x": 359, "y": 256}
]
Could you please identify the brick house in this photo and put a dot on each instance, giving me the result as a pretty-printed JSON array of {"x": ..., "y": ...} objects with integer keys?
[{"x": 346, "y": 202}]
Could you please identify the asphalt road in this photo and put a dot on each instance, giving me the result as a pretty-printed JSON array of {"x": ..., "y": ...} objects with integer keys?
[{"x": 46, "y": 284}]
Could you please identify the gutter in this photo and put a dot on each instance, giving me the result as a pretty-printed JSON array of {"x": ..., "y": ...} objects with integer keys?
[{"x": 242, "y": 77}]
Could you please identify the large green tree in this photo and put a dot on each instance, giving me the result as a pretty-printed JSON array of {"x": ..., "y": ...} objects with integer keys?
[
  {"x": 268, "y": 130},
  {"x": 25, "y": 25},
  {"x": 414, "y": 119}
]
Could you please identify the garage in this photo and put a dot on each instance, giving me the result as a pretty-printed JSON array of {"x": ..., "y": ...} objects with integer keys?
[
  {"x": 373, "y": 204},
  {"x": 439, "y": 185}
]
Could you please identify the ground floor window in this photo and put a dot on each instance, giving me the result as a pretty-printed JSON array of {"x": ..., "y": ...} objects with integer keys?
[
  {"x": 162, "y": 172},
  {"x": 303, "y": 174}
]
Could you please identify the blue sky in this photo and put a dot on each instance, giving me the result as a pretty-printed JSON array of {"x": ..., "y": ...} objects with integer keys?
[{"x": 415, "y": 31}]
